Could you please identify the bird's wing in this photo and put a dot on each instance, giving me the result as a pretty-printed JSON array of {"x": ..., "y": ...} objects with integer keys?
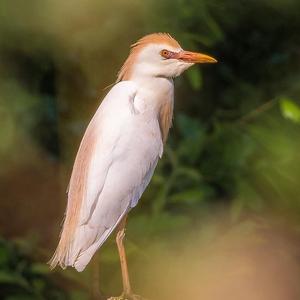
[{"x": 112, "y": 168}]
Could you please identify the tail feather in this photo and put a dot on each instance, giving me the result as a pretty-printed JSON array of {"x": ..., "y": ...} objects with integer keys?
[
  {"x": 79, "y": 251},
  {"x": 60, "y": 257},
  {"x": 85, "y": 256}
]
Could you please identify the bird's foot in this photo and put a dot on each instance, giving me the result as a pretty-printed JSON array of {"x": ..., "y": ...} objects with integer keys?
[{"x": 127, "y": 297}]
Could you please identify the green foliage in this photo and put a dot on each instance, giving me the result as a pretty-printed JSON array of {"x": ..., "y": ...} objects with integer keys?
[
  {"x": 290, "y": 110},
  {"x": 195, "y": 78},
  {"x": 22, "y": 279},
  {"x": 235, "y": 140}
]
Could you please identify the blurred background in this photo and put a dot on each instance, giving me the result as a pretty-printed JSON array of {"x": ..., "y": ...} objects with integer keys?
[{"x": 221, "y": 217}]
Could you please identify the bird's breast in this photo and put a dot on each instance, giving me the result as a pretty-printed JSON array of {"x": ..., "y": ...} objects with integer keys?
[
  {"x": 154, "y": 101},
  {"x": 152, "y": 95}
]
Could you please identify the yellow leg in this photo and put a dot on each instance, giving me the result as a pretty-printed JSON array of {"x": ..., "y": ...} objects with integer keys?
[
  {"x": 124, "y": 267},
  {"x": 127, "y": 292}
]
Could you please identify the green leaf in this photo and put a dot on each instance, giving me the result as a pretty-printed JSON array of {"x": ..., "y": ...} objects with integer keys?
[
  {"x": 39, "y": 268},
  {"x": 195, "y": 78},
  {"x": 190, "y": 196},
  {"x": 39, "y": 285},
  {"x": 7, "y": 278},
  {"x": 289, "y": 109},
  {"x": 4, "y": 256},
  {"x": 191, "y": 173},
  {"x": 78, "y": 295},
  {"x": 11, "y": 278}
]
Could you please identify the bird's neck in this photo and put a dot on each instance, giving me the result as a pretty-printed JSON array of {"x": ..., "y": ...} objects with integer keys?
[
  {"x": 154, "y": 92},
  {"x": 155, "y": 97}
]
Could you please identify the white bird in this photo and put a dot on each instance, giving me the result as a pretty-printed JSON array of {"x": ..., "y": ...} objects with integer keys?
[{"x": 120, "y": 150}]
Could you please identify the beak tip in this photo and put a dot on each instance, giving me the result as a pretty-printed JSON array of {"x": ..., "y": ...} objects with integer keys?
[
  {"x": 207, "y": 59},
  {"x": 212, "y": 60}
]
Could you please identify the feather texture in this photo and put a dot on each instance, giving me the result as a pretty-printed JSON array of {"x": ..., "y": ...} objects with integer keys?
[
  {"x": 113, "y": 167},
  {"x": 154, "y": 38},
  {"x": 76, "y": 195},
  {"x": 165, "y": 118},
  {"x": 120, "y": 150}
]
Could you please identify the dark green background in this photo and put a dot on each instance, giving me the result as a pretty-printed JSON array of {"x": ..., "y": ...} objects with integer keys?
[{"x": 226, "y": 194}]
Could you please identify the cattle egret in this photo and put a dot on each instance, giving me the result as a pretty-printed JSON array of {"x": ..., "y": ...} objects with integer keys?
[{"x": 120, "y": 150}]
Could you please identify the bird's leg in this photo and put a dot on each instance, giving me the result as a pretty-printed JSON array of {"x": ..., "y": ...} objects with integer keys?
[
  {"x": 127, "y": 292},
  {"x": 124, "y": 268}
]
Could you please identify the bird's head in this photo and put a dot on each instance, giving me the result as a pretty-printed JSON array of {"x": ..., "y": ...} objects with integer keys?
[{"x": 159, "y": 55}]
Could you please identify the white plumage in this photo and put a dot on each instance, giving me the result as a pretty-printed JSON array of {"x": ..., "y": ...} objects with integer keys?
[
  {"x": 127, "y": 146},
  {"x": 121, "y": 147},
  {"x": 125, "y": 155}
]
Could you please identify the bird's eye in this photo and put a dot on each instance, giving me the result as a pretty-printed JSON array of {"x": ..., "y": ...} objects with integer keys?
[{"x": 165, "y": 53}]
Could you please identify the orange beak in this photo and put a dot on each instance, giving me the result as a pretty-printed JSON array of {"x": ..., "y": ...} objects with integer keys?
[{"x": 194, "y": 57}]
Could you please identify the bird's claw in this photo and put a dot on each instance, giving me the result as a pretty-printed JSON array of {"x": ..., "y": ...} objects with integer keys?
[{"x": 127, "y": 297}]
